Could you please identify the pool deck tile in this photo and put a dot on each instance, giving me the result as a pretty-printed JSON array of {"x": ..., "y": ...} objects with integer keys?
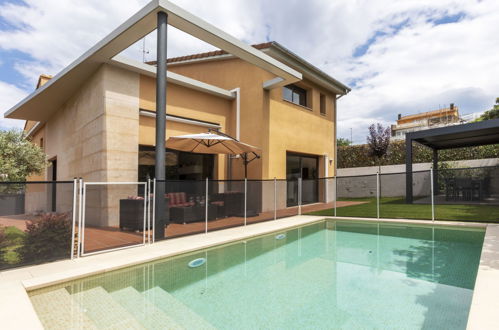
[{"x": 484, "y": 311}]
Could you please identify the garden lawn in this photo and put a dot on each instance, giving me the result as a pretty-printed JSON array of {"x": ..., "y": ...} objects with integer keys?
[
  {"x": 395, "y": 207},
  {"x": 14, "y": 238}
]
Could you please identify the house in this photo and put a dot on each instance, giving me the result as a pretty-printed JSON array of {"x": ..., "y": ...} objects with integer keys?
[
  {"x": 96, "y": 119},
  {"x": 105, "y": 132}
]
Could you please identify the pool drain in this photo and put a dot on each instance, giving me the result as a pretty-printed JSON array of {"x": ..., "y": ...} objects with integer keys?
[
  {"x": 197, "y": 262},
  {"x": 280, "y": 236}
]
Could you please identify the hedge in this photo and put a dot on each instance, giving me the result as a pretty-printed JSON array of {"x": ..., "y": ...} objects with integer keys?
[{"x": 358, "y": 155}]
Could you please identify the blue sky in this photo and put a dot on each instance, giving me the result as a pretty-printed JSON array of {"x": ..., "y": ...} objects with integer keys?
[{"x": 403, "y": 56}]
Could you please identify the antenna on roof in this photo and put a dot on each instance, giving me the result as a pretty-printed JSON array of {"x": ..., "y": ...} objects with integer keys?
[{"x": 144, "y": 50}]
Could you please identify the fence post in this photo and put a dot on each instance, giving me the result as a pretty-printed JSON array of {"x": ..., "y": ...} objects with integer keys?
[
  {"x": 206, "y": 208},
  {"x": 84, "y": 195},
  {"x": 148, "y": 209},
  {"x": 144, "y": 224},
  {"x": 154, "y": 211},
  {"x": 245, "y": 198},
  {"x": 299, "y": 195},
  {"x": 432, "y": 196},
  {"x": 377, "y": 194},
  {"x": 335, "y": 193},
  {"x": 80, "y": 216},
  {"x": 275, "y": 198},
  {"x": 73, "y": 230}
]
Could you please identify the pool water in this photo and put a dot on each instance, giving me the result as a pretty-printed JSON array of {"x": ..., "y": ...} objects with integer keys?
[{"x": 328, "y": 275}]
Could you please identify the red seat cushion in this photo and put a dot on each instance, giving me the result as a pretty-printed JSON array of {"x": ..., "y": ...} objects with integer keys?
[{"x": 178, "y": 199}]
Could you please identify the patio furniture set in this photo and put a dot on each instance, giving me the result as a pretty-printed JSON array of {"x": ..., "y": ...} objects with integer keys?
[
  {"x": 183, "y": 208},
  {"x": 466, "y": 189}
]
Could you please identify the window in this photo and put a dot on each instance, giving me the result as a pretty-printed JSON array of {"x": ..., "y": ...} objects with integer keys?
[
  {"x": 323, "y": 104},
  {"x": 295, "y": 94},
  {"x": 304, "y": 167},
  {"x": 41, "y": 143},
  {"x": 179, "y": 165}
]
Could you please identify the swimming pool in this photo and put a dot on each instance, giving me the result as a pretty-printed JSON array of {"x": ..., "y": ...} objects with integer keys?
[{"x": 331, "y": 274}]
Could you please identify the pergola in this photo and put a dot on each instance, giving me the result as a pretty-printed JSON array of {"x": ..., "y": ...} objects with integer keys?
[
  {"x": 458, "y": 136},
  {"x": 156, "y": 15}
]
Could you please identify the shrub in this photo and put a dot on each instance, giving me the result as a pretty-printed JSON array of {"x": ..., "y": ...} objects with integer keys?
[
  {"x": 358, "y": 155},
  {"x": 47, "y": 238}
]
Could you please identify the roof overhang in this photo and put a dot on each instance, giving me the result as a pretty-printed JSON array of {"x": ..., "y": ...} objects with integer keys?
[
  {"x": 281, "y": 53},
  {"x": 457, "y": 136},
  {"x": 42, "y": 103},
  {"x": 309, "y": 71}
]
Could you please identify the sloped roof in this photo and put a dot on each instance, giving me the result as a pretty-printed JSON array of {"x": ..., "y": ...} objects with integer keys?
[
  {"x": 285, "y": 55},
  {"x": 213, "y": 53}
]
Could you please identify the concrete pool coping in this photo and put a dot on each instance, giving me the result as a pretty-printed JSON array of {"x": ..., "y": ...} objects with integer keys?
[{"x": 17, "y": 312}]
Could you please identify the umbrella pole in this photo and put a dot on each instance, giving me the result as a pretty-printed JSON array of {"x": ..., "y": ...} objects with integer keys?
[{"x": 245, "y": 160}]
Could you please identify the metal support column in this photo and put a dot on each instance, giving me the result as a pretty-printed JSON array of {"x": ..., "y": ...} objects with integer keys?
[
  {"x": 408, "y": 170},
  {"x": 432, "y": 196},
  {"x": 245, "y": 198},
  {"x": 206, "y": 208},
  {"x": 275, "y": 198},
  {"x": 335, "y": 193},
  {"x": 159, "y": 197},
  {"x": 435, "y": 172},
  {"x": 377, "y": 194},
  {"x": 299, "y": 195}
]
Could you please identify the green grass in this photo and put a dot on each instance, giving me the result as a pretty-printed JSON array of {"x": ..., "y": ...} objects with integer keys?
[
  {"x": 14, "y": 239},
  {"x": 395, "y": 207}
]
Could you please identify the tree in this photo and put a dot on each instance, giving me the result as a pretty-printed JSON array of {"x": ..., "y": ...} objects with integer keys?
[
  {"x": 19, "y": 158},
  {"x": 378, "y": 142},
  {"x": 341, "y": 142},
  {"x": 492, "y": 113}
]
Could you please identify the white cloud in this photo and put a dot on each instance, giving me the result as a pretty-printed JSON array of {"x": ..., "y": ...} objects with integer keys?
[
  {"x": 411, "y": 64},
  {"x": 9, "y": 96}
]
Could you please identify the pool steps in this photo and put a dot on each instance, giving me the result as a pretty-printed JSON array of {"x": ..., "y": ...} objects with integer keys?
[
  {"x": 172, "y": 306},
  {"x": 148, "y": 314},
  {"x": 122, "y": 309},
  {"x": 58, "y": 310},
  {"x": 106, "y": 312}
]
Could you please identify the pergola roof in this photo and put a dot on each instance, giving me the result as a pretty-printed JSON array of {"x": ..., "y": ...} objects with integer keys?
[
  {"x": 466, "y": 135},
  {"x": 42, "y": 103}
]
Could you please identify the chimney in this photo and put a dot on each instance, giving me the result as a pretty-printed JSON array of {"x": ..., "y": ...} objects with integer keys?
[
  {"x": 452, "y": 106},
  {"x": 399, "y": 116}
]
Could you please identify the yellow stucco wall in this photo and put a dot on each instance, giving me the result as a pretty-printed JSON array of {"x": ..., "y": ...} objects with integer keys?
[
  {"x": 267, "y": 121},
  {"x": 188, "y": 103},
  {"x": 298, "y": 129}
]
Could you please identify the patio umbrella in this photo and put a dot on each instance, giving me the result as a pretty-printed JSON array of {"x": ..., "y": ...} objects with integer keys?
[{"x": 214, "y": 143}]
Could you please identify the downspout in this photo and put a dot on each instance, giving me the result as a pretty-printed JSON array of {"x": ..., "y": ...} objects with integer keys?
[
  {"x": 336, "y": 134},
  {"x": 237, "y": 92}
]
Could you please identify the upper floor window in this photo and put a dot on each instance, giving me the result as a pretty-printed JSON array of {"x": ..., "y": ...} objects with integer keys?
[
  {"x": 323, "y": 104},
  {"x": 295, "y": 94}
]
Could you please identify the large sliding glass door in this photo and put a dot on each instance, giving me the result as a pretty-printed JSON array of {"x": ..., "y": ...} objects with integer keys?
[{"x": 306, "y": 168}]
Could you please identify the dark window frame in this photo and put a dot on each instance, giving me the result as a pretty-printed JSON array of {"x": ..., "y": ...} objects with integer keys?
[
  {"x": 322, "y": 104},
  {"x": 299, "y": 95},
  {"x": 209, "y": 164}
]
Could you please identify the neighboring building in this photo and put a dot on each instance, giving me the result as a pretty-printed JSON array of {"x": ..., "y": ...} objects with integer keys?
[{"x": 425, "y": 120}]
